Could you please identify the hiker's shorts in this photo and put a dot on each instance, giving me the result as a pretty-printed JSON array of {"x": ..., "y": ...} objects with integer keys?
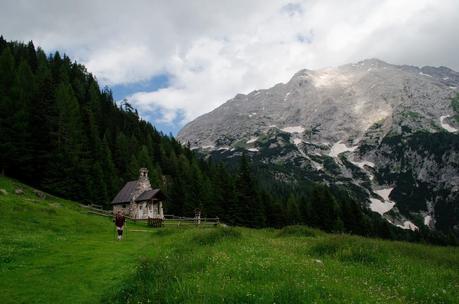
[{"x": 120, "y": 230}]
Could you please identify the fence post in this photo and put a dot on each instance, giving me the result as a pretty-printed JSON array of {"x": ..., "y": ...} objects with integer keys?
[{"x": 197, "y": 216}]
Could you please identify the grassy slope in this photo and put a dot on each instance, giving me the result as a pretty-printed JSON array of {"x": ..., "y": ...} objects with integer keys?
[{"x": 52, "y": 251}]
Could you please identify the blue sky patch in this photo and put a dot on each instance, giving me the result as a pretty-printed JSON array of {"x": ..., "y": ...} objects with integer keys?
[
  {"x": 169, "y": 128},
  {"x": 153, "y": 84}
]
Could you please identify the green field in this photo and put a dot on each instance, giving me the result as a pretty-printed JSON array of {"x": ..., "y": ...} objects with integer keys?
[{"x": 53, "y": 251}]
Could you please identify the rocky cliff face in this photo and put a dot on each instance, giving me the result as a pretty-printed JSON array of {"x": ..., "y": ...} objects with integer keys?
[{"x": 387, "y": 134}]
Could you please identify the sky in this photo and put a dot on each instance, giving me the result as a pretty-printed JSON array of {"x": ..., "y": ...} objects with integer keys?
[{"x": 175, "y": 60}]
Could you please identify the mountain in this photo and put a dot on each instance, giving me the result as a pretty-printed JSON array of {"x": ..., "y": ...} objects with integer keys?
[{"x": 386, "y": 134}]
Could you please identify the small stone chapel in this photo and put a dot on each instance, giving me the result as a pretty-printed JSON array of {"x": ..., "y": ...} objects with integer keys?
[{"x": 138, "y": 200}]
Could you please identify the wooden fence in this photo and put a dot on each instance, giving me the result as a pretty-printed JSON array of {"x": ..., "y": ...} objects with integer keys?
[
  {"x": 168, "y": 220},
  {"x": 96, "y": 209},
  {"x": 196, "y": 221}
]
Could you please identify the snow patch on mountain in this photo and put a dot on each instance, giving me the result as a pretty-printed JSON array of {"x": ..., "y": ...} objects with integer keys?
[
  {"x": 382, "y": 206},
  {"x": 286, "y": 96},
  {"x": 297, "y": 141},
  {"x": 408, "y": 225},
  {"x": 252, "y": 140},
  {"x": 424, "y": 74},
  {"x": 427, "y": 220},
  {"x": 384, "y": 193},
  {"x": 316, "y": 165},
  {"x": 363, "y": 163},
  {"x": 295, "y": 129},
  {"x": 445, "y": 125},
  {"x": 339, "y": 148},
  {"x": 208, "y": 147}
]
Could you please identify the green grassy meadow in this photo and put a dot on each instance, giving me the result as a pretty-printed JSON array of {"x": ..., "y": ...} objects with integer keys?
[{"x": 53, "y": 251}]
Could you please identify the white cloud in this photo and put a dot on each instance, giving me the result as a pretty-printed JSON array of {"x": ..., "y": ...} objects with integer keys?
[
  {"x": 213, "y": 50},
  {"x": 122, "y": 64}
]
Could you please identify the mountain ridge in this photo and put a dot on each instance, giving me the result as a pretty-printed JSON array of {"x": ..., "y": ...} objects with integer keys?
[
  {"x": 342, "y": 126},
  {"x": 324, "y": 79}
]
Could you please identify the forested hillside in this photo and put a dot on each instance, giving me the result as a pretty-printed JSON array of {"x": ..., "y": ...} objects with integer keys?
[{"x": 62, "y": 133}]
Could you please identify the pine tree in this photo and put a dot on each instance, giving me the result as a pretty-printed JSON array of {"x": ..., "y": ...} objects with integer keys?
[
  {"x": 275, "y": 213},
  {"x": 222, "y": 192},
  {"x": 3, "y": 44},
  {"x": 121, "y": 155},
  {"x": 110, "y": 174},
  {"x": 32, "y": 56},
  {"x": 65, "y": 171},
  {"x": 293, "y": 212},
  {"x": 308, "y": 216},
  {"x": 18, "y": 121},
  {"x": 43, "y": 121},
  {"x": 353, "y": 218},
  {"x": 326, "y": 210},
  {"x": 144, "y": 158},
  {"x": 7, "y": 75},
  {"x": 248, "y": 209},
  {"x": 133, "y": 168}
]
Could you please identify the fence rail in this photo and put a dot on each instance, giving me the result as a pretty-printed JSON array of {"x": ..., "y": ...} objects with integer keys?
[{"x": 169, "y": 219}]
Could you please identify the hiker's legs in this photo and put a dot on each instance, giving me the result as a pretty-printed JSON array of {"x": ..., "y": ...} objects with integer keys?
[{"x": 120, "y": 233}]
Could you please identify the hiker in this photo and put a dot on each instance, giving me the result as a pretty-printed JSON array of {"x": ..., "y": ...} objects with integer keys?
[{"x": 119, "y": 223}]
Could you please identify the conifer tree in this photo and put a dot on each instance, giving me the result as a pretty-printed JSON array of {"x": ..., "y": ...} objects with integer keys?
[
  {"x": 327, "y": 215},
  {"x": 133, "y": 168},
  {"x": 144, "y": 158},
  {"x": 110, "y": 174},
  {"x": 248, "y": 210},
  {"x": 19, "y": 120},
  {"x": 121, "y": 154},
  {"x": 43, "y": 119},
  {"x": 292, "y": 211},
  {"x": 7, "y": 75}
]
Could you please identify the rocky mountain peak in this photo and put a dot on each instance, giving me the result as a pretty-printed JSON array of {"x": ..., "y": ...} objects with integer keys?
[
  {"x": 366, "y": 127},
  {"x": 339, "y": 103}
]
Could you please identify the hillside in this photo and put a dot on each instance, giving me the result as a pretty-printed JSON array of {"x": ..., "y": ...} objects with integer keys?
[
  {"x": 53, "y": 251},
  {"x": 384, "y": 134}
]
